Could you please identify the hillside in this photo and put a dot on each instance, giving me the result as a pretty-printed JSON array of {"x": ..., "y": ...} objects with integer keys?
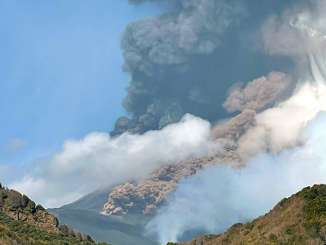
[
  {"x": 23, "y": 222},
  {"x": 300, "y": 219}
]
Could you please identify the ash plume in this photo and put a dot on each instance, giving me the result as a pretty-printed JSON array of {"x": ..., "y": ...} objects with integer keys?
[
  {"x": 301, "y": 36},
  {"x": 184, "y": 60},
  {"x": 221, "y": 196},
  {"x": 283, "y": 149},
  {"x": 233, "y": 128},
  {"x": 260, "y": 93}
]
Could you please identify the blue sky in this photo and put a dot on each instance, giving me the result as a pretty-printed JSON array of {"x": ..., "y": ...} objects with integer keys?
[{"x": 60, "y": 72}]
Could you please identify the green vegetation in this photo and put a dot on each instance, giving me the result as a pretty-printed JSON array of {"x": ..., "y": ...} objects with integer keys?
[
  {"x": 315, "y": 210},
  {"x": 297, "y": 220},
  {"x": 24, "y": 223},
  {"x": 13, "y": 230}
]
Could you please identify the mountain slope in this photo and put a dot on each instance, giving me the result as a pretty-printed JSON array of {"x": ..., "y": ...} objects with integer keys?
[
  {"x": 85, "y": 215},
  {"x": 119, "y": 230},
  {"x": 23, "y": 222},
  {"x": 93, "y": 201},
  {"x": 300, "y": 219}
]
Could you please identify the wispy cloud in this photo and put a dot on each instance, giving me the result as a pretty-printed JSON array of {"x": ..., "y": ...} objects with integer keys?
[
  {"x": 99, "y": 160},
  {"x": 15, "y": 145}
]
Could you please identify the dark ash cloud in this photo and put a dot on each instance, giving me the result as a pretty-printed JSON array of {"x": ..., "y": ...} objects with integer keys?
[{"x": 184, "y": 60}]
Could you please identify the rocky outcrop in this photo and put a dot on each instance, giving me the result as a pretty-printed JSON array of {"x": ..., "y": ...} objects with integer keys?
[
  {"x": 19, "y": 207},
  {"x": 24, "y": 222}
]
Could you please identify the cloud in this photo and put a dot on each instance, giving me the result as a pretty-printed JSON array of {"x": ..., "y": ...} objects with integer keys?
[
  {"x": 304, "y": 23},
  {"x": 259, "y": 94},
  {"x": 170, "y": 39},
  {"x": 220, "y": 196},
  {"x": 14, "y": 145},
  {"x": 284, "y": 149},
  {"x": 184, "y": 60},
  {"x": 99, "y": 160},
  {"x": 235, "y": 127},
  {"x": 279, "y": 127}
]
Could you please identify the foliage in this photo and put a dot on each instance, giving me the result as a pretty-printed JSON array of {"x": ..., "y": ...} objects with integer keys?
[
  {"x": 299, "y": 219},
  {"x": 27, "y": 231},
  {"x": 27, "y": 234},
  {"x": 315, "y": 209}
]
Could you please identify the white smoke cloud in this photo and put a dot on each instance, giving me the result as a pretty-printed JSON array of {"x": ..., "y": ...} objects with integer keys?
[
  {"x": 99, "y": 160},
  {"x": 220, "y": 196},
  {"x": 297, "y": 33},
  {"x": 286, "y": 148},
  {"x": 280, "y": 127}
]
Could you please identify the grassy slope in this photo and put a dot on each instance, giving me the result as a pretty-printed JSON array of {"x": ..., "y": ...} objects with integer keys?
[
  {"x": 22, "y": 222},
  {"x": 300, "y": 219},
  {"x": 19, "y": 232}
]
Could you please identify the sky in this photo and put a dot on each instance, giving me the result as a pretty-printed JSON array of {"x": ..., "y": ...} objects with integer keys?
[{"x": 60, "y": 73}]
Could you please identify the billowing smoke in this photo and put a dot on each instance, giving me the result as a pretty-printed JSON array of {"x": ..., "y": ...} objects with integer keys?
[
  {"x": 259, "y": 94},
  {"x": 218, "y": 197},
  {"x": 284, "y": 146},
  {"x": 279, "y": 128},
  {"x": 221, "y": 196},
  {"x": 185, "y": 60},
  {"x": 299, "y": 34},
  {"x": 304, "y": 23},
  {"x": 98, "y": 160}
]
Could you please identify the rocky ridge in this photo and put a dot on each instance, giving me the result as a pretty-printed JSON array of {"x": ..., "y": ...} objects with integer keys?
[{"x": 24, "y": 222}]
